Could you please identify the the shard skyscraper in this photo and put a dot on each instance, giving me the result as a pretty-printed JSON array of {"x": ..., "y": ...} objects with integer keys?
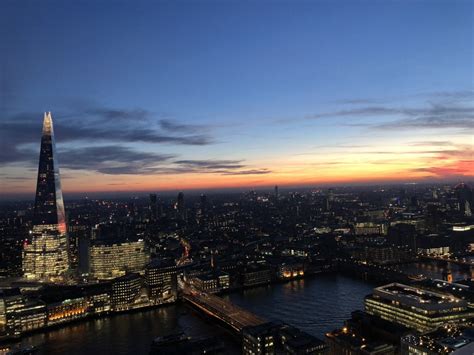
[{"x": 45, "y": 254}]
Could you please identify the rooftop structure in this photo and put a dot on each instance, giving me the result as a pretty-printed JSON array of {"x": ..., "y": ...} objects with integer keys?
[{"x": 416, "y": 308}]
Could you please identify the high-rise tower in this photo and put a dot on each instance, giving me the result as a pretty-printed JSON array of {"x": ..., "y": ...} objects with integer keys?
[
  {"x": 181, "y": 209},
  {"x": 45, "y": 255},
  {"x": 153, "y": 208}
]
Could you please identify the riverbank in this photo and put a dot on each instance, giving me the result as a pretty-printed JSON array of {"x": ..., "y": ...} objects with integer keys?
[{"x": 315, "y": 304}]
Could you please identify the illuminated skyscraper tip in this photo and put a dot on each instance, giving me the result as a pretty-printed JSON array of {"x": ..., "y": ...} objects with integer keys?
[
  {"x": 47, "y": 254},
  {"x": 47, "y": 124}
]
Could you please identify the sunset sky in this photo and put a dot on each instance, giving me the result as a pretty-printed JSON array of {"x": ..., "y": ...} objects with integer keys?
[{"x": 176, "y": 95}]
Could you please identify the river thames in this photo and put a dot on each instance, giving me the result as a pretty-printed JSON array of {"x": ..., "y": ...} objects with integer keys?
[{"x": 316, "y": 305}]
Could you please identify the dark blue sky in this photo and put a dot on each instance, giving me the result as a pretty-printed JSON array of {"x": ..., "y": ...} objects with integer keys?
[{"x": 247, "y": 76}]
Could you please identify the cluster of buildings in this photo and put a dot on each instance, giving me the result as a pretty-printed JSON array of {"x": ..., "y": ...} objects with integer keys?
[
  {"x": 280, "y": 338},
  {"x": 120, "y": 276},
  {"x": 118, "y": 255},
  {"x": 108, "y": 259},
  {"x": 418, "y": 319},
  {"x": 30, "y": 307},
  {"x": 408, "y": 319}
]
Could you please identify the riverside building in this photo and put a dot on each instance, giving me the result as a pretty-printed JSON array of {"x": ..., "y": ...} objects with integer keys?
[
  {"x": 45, "y": 253},
  {"x": 109, "y": 259},
  {"x": 416, "y": 308}
]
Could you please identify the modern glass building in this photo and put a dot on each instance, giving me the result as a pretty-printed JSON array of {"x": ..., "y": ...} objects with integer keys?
[
  {"x": 161, "y": 281},
  {"x": 45, "y": 253},
  {"x": 416, "y": 308},
  {"x": 109, "y": 259}
]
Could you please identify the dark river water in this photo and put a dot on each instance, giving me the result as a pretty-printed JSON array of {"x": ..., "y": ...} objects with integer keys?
[{"x": 315, "y": 305}]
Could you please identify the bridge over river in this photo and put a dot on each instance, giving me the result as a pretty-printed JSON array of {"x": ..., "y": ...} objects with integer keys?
[
  {"x": 464, "y": 262},
  {"x": 218, "y": 308}
]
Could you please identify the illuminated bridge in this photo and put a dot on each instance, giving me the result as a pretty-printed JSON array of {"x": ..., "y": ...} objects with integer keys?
[
  {"x": 459, "y": 261},
  {"x": 216, "y": 307}
]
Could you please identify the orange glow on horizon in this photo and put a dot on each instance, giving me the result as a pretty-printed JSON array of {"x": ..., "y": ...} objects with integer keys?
[
  {"x": 173, "y": 183},
  {"x": 397, "y": 166}
]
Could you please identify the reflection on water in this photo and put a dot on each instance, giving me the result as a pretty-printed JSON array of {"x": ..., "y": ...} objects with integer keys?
[
  {"x": 434, "y": 269},
  {"x": 316, "y": 305},
  {"x": 126, "y": 333}
]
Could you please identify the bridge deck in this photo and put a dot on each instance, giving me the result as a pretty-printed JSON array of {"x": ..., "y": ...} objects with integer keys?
[{"x": 221, "y": 309}]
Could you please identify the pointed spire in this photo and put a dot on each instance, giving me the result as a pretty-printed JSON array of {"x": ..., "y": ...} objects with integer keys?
[
  {"x": 49, "y": 205},
  {"x": 47, "y": 124}
]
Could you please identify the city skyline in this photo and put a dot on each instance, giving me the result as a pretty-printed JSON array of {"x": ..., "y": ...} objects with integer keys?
[
  {"x": 156, "y": 96},
  {"x": 237, "y": 177}
]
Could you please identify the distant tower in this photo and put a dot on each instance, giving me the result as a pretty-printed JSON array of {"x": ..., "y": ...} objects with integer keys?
[
  {"x": 276, "y": 192},
  {"x": 326, "y": 204},
  {"x": 467, "y": 209},
  {"x": 45, "y": 256},
  {"x": 161, "y": 212},
  {"x": 153, "y": 208},
  {"x": 331, "y": 195},
  {"x": 203, "y": 204},
  {"x": 180, "y": 206},
  {"x": 212, "y": 260}
]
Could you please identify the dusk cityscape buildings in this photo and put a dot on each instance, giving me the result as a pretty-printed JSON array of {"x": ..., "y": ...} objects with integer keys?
[
  {"x": 132, "y": 255},
  {"x": 237, "y": 177}
]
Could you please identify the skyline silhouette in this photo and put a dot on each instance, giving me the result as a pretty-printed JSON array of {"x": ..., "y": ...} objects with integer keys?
[{"x": 156, "y": 96}]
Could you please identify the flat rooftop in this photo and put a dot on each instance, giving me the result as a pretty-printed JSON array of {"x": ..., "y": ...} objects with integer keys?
[{"x": 417, "y": 297}]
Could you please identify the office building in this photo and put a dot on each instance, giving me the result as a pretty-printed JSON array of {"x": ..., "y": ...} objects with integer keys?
[
  {"x": 153, "y": 208},
  {"x": 62, "y": 310},
  {"x": 125, "y": 292},
  {"x": 161, "y": 282},
  {"x": 416, "y": 308},
  {"x": 449, "y": 339},
  {"x": 260, "y": 339},
  {"x": 19, "y": 315},
  {"x": 344, "y": 341},
  {"x": 180, "y": 207},
  {"x": 98, "y": 297},
  {"x": 370, "y": 228},
  {"x": 291, "y": 340},
  {"x": 109, "y": 259},
  {"x": 256, "y": 275},
  {"x": 45, "y": 253},
  {"x": 212, "y": 282},
  {"x": 290, "y": 270}
]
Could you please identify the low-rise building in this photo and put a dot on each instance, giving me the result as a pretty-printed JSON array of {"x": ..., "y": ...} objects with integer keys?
[
  {"x": 290, "y": 270},
  {"x": 367, "y": 228},
  {"x": 445, "y": 340},
  {"x": 416, "y": 308},
  {"x": 260, "y": 339},
  {"x": 212, "y": 282},
  {"x": 19, "y": 315},
  {"x": 125, "y": 291},
  {"x": 98, "y": 298},
  {"x": 256, "y": 275}
]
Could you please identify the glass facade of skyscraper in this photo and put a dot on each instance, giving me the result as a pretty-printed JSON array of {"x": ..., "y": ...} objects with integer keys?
[{"x": 45, "y": 254}]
